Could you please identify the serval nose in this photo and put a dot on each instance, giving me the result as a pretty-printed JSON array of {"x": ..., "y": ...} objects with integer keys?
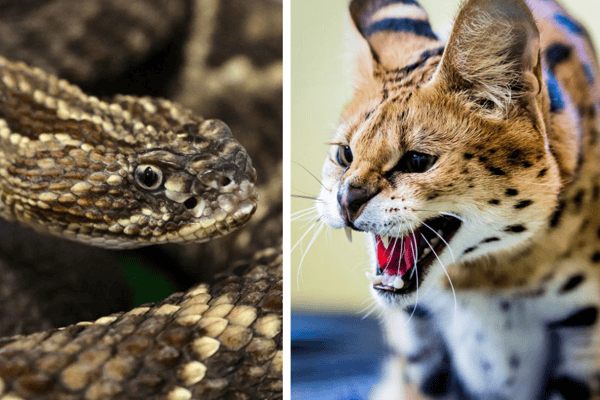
[{"x": 352, "y": 201}]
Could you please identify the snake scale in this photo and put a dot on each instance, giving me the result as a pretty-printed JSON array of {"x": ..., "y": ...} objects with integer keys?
[{"x": 93, "y": 153}]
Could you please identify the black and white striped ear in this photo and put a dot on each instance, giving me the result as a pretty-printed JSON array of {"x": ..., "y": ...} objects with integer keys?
[
  {"x": 493, "y": 53},
  {"x": 397, "y": 31}
]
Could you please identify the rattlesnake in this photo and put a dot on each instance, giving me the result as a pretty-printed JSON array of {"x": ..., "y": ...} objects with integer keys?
[{"x": 215, "y": 341}]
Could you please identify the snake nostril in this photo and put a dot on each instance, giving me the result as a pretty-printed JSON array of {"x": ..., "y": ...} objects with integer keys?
[
  {"x": 224, "y": 181},
  {"x": 190, "y": 203}
]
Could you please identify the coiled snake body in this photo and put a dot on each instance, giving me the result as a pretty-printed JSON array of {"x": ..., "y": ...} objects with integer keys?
[{"x": 123, "y": 173}]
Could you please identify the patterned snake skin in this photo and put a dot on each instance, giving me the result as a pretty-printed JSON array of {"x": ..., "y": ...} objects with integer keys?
[{"x": 122, "y": 171}]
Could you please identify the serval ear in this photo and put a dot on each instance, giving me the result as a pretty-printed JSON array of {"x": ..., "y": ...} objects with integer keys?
[
  {"x": 398, "y": 31},
  {"x": 493, "y": 54}
]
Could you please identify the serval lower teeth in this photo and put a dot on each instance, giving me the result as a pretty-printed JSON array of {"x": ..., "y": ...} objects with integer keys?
[
  {"x": 387, "y": 280},
  {"x": 398, "y": 282}
]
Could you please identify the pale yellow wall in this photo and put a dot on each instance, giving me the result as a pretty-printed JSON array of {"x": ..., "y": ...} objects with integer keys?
[{"x": 332, "y": 275}]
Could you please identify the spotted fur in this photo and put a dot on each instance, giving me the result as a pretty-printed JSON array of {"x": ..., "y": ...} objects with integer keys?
[{"x": 509, "y": 108}]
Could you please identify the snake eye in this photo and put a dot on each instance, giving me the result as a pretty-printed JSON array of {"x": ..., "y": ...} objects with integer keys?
[
  {"x": 344, "y": 156},
  {"x": 148, "y": 176},
  {"x": 415, "y": 162}
]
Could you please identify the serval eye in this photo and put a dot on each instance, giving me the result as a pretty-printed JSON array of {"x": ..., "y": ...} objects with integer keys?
[
  {"x": 344, "y": 156},
  {"x": 148, "y": 176},
  {"x": 415, "y": 162}
]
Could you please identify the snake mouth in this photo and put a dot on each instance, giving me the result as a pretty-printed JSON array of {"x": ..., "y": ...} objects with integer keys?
[{"x": 403, "y": 262}]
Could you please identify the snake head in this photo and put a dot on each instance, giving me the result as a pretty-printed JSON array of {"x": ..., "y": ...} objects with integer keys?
[
  {"x": 122, "y": 173},
  {"x": 197, "y": 187}
]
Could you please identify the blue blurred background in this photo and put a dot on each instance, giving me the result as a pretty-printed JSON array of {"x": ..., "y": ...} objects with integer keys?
[{"x": 334, "y": 357}]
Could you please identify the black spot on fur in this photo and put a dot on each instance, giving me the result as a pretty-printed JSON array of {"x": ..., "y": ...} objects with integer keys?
[
  {"x": 555, "y": 220},
  {"x": 588, "y": 111},
  {"x": 572, "y": 284},
  {"x": 570, "y": 389},
  {"x": 598, "y": 233},
  {"x": 557, "y": 53},
  {"x": 514, "y": 361},
  {"x": 578, "y": 199},
  {"x": 596, "y": 192},
  {"x": 483, "y": 159},
  {"x": 584, "y": 225},
  {"x": 511, "y": 192},
  {"x": 480, "y": 337},
  {"x": 542, "y": 173},
  {"x": 490, "y": 240},
  {"x": 585, "y": 317},
  {"x": 596, "y": 257},
  {"x": 433, "y": 196},
  {"x": 438, "y": 384},
  {"x": 417, "y": 311},
  {"x": 515, "y": 229},
  {"x": 511, "y": 381},
  {"x": 494, "y": 202},
  {"x": 505, "y": 306},
  {"x": 518, "y": 157},
  {"x": 422, "y": 355},
  {"x": 470, "y": 250},
  {"x": 471, "y": 186},
  {"x": 486, "y": 366},
  {"x": 522, "y": 204},
  {"x": 495, "y": 171}
]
